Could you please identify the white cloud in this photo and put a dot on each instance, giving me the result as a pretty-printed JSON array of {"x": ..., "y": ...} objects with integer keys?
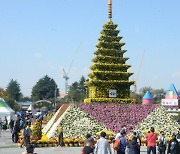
[{"x": 38, "y": 55}]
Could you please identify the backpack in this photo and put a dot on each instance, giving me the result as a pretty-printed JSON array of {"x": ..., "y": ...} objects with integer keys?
[{"x": 116, "y": 144}]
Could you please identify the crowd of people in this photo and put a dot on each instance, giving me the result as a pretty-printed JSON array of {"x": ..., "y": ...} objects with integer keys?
[
  {"x": 122, "y": 146},
  {"x": 22, "y": 124}
]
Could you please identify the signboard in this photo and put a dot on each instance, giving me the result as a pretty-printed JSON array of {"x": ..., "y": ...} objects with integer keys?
[
  {"x": 169, "y": 102},
  {"x": 112, "y": 93}
]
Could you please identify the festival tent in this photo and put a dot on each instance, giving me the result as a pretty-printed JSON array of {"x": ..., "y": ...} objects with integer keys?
[
  {"x": 5, "y": 110},
  {"x": 31, "y": 109}
]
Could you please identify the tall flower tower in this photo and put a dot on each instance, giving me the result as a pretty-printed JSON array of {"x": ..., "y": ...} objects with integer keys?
[{"x": 109, "y": 78}]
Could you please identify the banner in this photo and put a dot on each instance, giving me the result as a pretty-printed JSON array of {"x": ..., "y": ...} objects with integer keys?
[{"x": 169, "y": 102}]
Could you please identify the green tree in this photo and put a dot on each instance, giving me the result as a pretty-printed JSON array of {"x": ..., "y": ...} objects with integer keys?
[
  {"x": 45, "y": 88},
  {"x": 143, "y": 90},
  {"x": 77, "y": 91},
  {"x": 13, "y": 89},
  {"x": 81, "y": 85},
  {"x": 109, "y": 71},
  {"x": 3, "y": 93},
  {"x": 158, "y": 94},
  {"x": 73, "y": 94}
]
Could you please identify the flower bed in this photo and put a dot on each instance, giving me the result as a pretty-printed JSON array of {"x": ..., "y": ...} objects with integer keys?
[
  {"x": 161, "y": 121},
  {"x": 113, "y": 116},
  {"x": 81, "y": 119},
  {"x": 76, "y": 124},
  {"x": 43, "y": 142}
]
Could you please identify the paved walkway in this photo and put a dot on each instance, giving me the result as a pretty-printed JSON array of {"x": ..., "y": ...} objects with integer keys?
[{"x": 8, "y": 147}]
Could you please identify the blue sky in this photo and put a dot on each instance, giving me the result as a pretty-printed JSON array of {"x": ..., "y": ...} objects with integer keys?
[{"x": 39, "y": 37}]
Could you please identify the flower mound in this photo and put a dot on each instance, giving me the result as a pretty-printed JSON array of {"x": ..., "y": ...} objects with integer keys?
[
  {"x": 161, "y": 121},
  {"x": 113, "y": 116},
  {"x": 77, "y": 123}
]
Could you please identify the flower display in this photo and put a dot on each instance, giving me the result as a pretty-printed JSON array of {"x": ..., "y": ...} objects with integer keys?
[
  {"x": 77, "y": 124},
  {"x": 113, "y": 116},
  {"x": 37, "y": 130},
  {"x": 92, "y": 118},
  {"x": 160, "y": 120}
]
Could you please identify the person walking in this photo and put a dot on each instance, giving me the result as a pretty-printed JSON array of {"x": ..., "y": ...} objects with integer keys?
[
  {"x": 11, "y": 125},
  {"x": 16, "y": 130},
  {"x": 162, "y": 143},
  {"x": 133, "y": 146},
  {"x": 178, "y": 136},
  {"x": 123, "y": 129},
  {"x": 5, "y": 123},
  {"x": 173, "y": 147},
  {"x": 88, "y": 148},
  {"x": 151, "y": 138},
  {"x": 102, "y": 145},
  {"x": 26, "y": 134},
  {"x": 122, "y": 146},
  {"x": 0, "y": 126},
  {"x": 89, "y": 139}
]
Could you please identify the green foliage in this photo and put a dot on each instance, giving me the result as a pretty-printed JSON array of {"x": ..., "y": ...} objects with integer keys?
[
  {"x": 109, "y": 70},
  {"x": 77, "y": 91},
  {"x": 37, "y": 130},
  {"x": 3, "y": 93},
  {"x": 13, "y": 89},
  {"x": 45, "y": 88},
  {"x": 12, "y": 94}
]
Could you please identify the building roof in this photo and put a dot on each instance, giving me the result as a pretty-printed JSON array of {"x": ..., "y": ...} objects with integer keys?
[
  {"x": 172, "y": 88},
  {"x": 148, "y": 95}
]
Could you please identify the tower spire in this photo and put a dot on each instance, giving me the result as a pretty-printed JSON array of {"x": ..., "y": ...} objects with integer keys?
[{"x": 109, "y": 9}]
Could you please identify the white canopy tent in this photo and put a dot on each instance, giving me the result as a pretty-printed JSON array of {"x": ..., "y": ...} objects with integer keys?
[
  {"x": 31, "y": 109},
  {"x": 5, "y": 110}
]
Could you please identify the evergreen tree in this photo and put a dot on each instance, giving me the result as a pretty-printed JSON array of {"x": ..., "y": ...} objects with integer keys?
[
  {"x": 109, "y": 71},
  {"x": 13, "y": 89},
  {"x": 45, "y": 88},
  {"x": 77, "y": 91},
  {"x": 73, "y": 94}
]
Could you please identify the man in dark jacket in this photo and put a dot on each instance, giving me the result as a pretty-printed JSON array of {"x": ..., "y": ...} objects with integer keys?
[
  {"x": 16, "y": 130},
  {"x": 173, "y": 147},
  {"x": 133, "y": 146},
  {"x": 178, "y": 136}
]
